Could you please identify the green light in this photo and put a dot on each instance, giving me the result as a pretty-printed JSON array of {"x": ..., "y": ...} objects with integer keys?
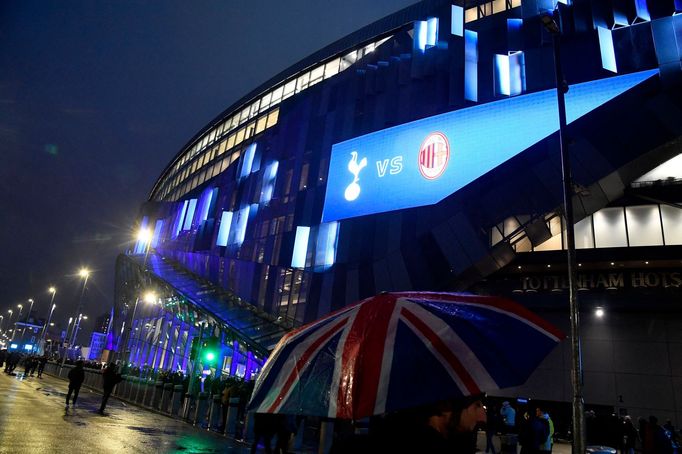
[{"x": 210, "y": 356}]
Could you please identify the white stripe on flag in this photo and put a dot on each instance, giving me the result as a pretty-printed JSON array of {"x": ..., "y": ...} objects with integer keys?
[
  {"x": 457, "y": 346},
  {"x": 387, "y": 360}
]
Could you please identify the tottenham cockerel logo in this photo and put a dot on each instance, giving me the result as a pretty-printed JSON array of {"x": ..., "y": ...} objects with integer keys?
[{"x": 434, "y": 155}]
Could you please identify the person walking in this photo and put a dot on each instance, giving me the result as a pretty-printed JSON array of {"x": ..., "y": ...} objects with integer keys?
[
  {"x": 109, "y": 380},
  {"x": 41, "y": 365},
  {"x": 508, "y": 418},
  {"x": 76, "y": 378},
  {"x": 629, "y": 436},
  {"x": 546, "y": 447}
]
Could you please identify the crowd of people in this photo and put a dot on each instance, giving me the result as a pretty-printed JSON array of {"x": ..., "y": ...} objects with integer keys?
[
  {"x": 32, "y": 364},
  {"x": 646, "y": 436}
]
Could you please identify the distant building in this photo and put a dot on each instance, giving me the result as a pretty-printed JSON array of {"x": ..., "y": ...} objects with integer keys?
[
  {"x": 97, "y": 345},
  {"x": 102, "y": 323}
]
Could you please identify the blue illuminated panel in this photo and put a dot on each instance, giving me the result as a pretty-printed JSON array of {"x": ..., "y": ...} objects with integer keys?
[
  {"x": 457, "y": 20},
  {"x": 224, "y": 230},
  {"x": 608, "y": 53},
  {"x": 470, "y": 65},
  {"x": 190, "y": 214},
  {"x": 422, "y": 162},
  {"x": 420, "y": 33},
  {"x": 247, "y": 162},
  {"x": 325, "y": 252},
  {"x": 181, "y": 216},
  {"x": 158, "y": 228},
  {"x": 300, "y": 247}
]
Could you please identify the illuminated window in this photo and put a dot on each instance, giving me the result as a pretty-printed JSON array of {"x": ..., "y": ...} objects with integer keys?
[
  {"x": 272, "y": 117},
  {"x": 348, "y": 60},
  {"x": 221, "y": 148},
  {"x": 300, "y": 247},
  {"x": 230, "y": 141},
  {"x": 302, "y": 82},
  {"x": 260, "y": 125},
  {"x": 289, "y": 89},
  {"x": 471, "y": 14},
  {"x": 331, "y": 68},
  {"x": 644, "y": 225},
  {"x": 303, "y": 181},
  {"x": 240, "y": 137},
  {"x": 317, "y": 75},
  {"x": 277, "y": 95},
  {"x": 672, "y": 220},
  {"x": 609, "y": 228},
  {"x": 265, "y": 101}
]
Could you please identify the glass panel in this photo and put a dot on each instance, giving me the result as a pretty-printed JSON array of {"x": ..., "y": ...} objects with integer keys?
[
  {"x": 609, "y": 228},
  {"x": 221, "y": 148},
  {"x": 316, "y": 75},
  {"x": 348, "y": 60},
  {"x": 499, "y": 5},
  {"x": 331, "y": 68},
  {"x": 584, "y": 238},
  {"x": 289, "y": 89},
  {"x": 250, "y": 128},
  {"x": 277, "y": 95},
  {"x": 211, "y": 136},
  {"x": 230, "y": 141},
  {"x": 272, "y": 117},
  {"x": 470, "y": 15},
  {"x": 265, "y": 101},
  {"x": 244, "y": 115},
  {"x": 240, "y": 137},
  {"x": 644, "y": 225},
  {"x": 302, "y": 82},
  {"x": 253, "y": 110},
  {"x": 672, "y": 220},
  {"x": 260, "y": 125}
]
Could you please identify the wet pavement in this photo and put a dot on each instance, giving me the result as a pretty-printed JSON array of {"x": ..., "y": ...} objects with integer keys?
[{"x": 33, "y": 419}]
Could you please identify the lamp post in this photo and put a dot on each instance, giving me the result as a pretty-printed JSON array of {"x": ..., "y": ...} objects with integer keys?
[
  {"x": 74, "y": 335},
  {"x": 9, "y": 319},
  {"x": 551, "y": 24},
  {"x": 14, "y": 330},
  {"x": 49, "y": 319},
  {"x": 84, "y": 273},
  {"x": 149, "y": 297},
  {"x": 28, "y": 315},
  {"x": 2, "y": 319}
]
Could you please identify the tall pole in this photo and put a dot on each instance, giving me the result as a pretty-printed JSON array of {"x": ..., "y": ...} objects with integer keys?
[
  {"x": 76, "y": 327},
  {"x": 66, "y": 337},
  {"x": 28, "y": 315},
  {"x": 14, "y": 330},
  {"x": 49, "y": 319},
  {"x": 574, "y": 309}
]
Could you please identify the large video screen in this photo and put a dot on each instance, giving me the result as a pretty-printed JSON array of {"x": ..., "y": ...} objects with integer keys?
[{"x": 422, "y": 162}]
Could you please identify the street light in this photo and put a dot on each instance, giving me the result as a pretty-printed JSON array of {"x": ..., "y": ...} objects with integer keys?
[
  {"x": 49, "y": 319},
  {"x": 28, "y": 315},
  {"x": 21, "y": 307},
  {"x": 77, "y": 326},
  {"x": 551, "y": 24},
  {"x": 84, "y": 273}
]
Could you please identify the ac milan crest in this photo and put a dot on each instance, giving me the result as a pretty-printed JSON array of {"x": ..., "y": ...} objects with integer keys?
[{"x": 434, "y": 155}]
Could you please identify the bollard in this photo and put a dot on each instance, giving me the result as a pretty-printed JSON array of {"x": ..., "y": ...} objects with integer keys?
[
  {"x": 139, "y": 392},
  {"x": 200, "y": 411},
  {"x": 132, "y": 386},
  {"x": 300, "y": 430},
  {"x": 186, "y": 406},
  {"x": 248, "y": 427},
  {"x": 232, "y": 410},
  {"x": 166, "y": 396},
  {"x": 120, "y": 388},
  {"x": 147, "y": 394},
  {"x": 215, "y": 413},
  {"x": 177, "y": 400},
  {"x": 156, "y": 397},
  {"x": 326, "y": 436}
]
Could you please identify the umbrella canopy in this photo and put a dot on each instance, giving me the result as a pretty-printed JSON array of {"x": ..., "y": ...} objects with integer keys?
[{"x": 400, "y": 350}]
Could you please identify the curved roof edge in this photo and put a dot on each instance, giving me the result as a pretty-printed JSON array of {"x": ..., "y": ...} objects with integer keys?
[{"x": 379, "y": 27}]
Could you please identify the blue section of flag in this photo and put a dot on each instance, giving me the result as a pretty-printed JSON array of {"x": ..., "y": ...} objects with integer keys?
[{"x": 480, "y": 137}]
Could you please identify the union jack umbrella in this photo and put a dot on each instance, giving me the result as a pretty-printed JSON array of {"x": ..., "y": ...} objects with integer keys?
[{"x": 400, "y": 350}]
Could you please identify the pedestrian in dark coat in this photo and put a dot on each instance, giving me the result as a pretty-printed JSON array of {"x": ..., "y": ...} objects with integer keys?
[
  {"x": 109, "y": 380},
  {"x": 76, "y": 378},
  {"x": 41, "y": 365}
]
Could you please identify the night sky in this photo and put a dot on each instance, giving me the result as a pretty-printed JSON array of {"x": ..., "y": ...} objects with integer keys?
[{"x": 96, "y": 97}]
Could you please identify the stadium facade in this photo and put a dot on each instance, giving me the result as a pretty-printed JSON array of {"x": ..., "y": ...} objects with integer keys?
[{"x": 421, "y": 153}]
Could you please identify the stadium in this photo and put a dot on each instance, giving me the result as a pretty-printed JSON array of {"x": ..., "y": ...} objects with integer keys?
[{"x": 422, "y": 153}]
